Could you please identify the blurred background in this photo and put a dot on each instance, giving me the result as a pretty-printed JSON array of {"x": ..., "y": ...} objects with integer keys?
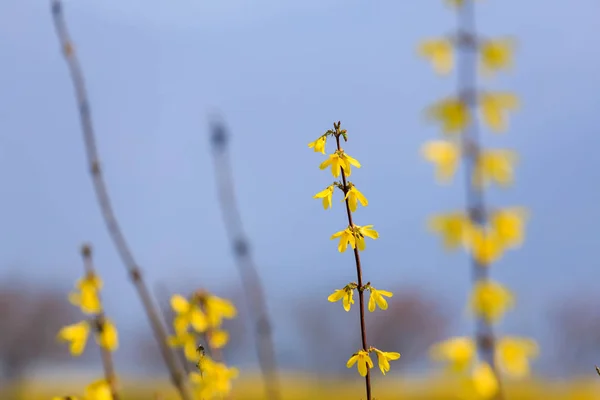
[{"x": 279, "y": 73}]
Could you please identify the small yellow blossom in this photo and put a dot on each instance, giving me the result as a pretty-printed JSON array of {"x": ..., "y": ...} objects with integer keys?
[
  {"x": 214, "y": 381},
  {"x": 509, "y": 225},
  {"x": 318, "y": 145},
  {"x": 494, "y": 107},
  {"x": 187, "y": 341},
  {"x": 326, "y": 195},
  {"x": 187, "y": 314},
  {"x": 377, "y": 297},
  {"x": 108, "y": 338},
  {"x": 453, "y": 227},
  {"x": 217, "y": 309},
  {"x": 346, "y": 238},
  {"x": 384, "y": 358},
  {"x": 363, "y": 360},
  {"x": 86, "y": 296},
  {"x": 441, "y": 54},
  {"x": 340, "y": 161},
  {"x": 486, "y": 245},
  {"x": 218, "y": 338},
  {"x": 484, "y": 381},
  {"x": 444, "y": 155},
  {"x": 347, "y": 294},
  {"x": 458, "y": 352},
  {"x": 452, "y": 113},
  {"x": 494, "y": 166},
  {"x": 513, "y": 354},
  {"x": 496, "y": 55},
  {"x": 490, "y": 300},
  {"x": 77, "y": 334},
  {"x": 354, "y": 196},
  {"x": 364, "y": 231},
  {"x": 98, "y": 390}
]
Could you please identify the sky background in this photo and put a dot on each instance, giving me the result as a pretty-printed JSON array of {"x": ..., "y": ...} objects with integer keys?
[{"x": 280, "y": 72}]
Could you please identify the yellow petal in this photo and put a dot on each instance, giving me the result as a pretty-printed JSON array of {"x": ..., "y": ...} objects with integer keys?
[{"x": 180, "y": 304}]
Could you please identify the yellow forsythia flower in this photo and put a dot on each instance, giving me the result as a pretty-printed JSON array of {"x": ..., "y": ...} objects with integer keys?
[
  {"x": 218, "y": 338},
  {"x": 346, "y": 238},
  {"x": 354, "y": 196},
  {"x": 77, "y": 335},
  {"x": 340, "y": 161},
  {"x": 86, "y": 296},
  {"x": 485, "y": 383},
  {"x": 452, "y": 114},
  {"x": 453, "y": 227},
  {"x": 347, "y": 294},
  {"x": 494, "y": 107},
  {"x": 490, "y": 300},
  {"x": 363, "y": 361},
  {"x": 441, "y": 54},
  {"x": 187, "y": 314},
  {"x": 486, "y": 245},
  {"x": 444, "y": 155},
  {"x": 364, "y": 231},
  {"x": 494, "y": 166},
  {"x": 509, "y": 225},
  {"x": 458, "y": 352},
  {"x": 187, "y": 341},
  {"x": 496, "y": 55},
  {"x": 217, "y": 309},
  {"x": 108, "y": 338},
  {"x": 319, "y": 144},
  {"x": 214, "y": 381},
  {"x": 326, "y": 195},
  {"x": 355, "y": 237},
  {"x": 377, "y": 297},
  {"x": 98, "y": 390},
  {"x": 384, "y": 358},
  {"x": 513, "y": 354}
]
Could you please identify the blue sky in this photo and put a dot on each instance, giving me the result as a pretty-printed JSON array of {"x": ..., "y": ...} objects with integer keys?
[{"x": 280, "y": 73}]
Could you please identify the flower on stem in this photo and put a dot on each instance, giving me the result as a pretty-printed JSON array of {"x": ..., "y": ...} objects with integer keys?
[
  {"x": 485, "y": 244},
  {"x": 86, "y": 296},
  {"x": 495, "y": 106},
  {"x": 441, "y": 54},
  {"x": 490, "y": 300},
  {"x": 484, "y": 381},
  {"x": 340, "y": 161},
  {"x": 185, "y": 340},
  {"x": 513, "y": 354},
  {"x": 77, "y": 336},
  {"x": 354, "y": 196},
  {"x": 452, "y": 114},
  {"x": 355, "y": 236},
  {"x": 214, "y": 380},
  {"x": 458, "y": 352},
  {"x": 218, "y": 338},
  {"x": 494, "y": 166},
  {"x": 319, "y": 144},
  {"x": 98, "y": 390},
  {"x": 346, "y": 293},
  {"x": 496, "y": 55},
  {"x": 326, "y": 195},
  {"x": 444, "y": 155},
  {"x": 453, "y": 227},
  {"x": 107, "y": 336},
  {"x": 363, "y": 361},
  {"x": 384, "y": 358},
  {"x": 187, "y": 313},
  {"x": 377, "y": 297},
  {"x": 509, "y": 225},
  {"x": 216, "y": 309}
]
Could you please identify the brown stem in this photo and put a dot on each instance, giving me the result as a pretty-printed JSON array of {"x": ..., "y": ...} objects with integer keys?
[
  {"x": 99, "y": 321},
  {"x": 251, "y": 282},
  {"x": 104, "y": 202},
  {"x": 477, "y": 210},
  {"x": 361, "y": 297}
]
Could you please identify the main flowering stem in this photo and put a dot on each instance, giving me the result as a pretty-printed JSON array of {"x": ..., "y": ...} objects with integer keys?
[{"x": 361, "y": 296}]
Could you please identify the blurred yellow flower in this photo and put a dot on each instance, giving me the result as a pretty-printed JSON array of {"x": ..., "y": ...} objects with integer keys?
[
  {"x": 494, "y": 166},
  {"x": 98, "y": 390},
  {"x": 347, "y": 294},
  {"x": 441, "y": 54},
  {"x": 187, "y": 314},
  {"x": 444, "y": 155},
  {"x": 363, "y": 361},
  {"x": 217, "y": 309},
  {"x": 326, "y": 196},
  {"x": 77, "y": 335},
  {"x": 490, "y": 300},
  {"x": 513, "y": 354},
  {"x": 384, "y": 358},
  {"x": 108, "y": 337},
  {"x": 86, "y": 296},
  {"x": 495, "y": 106},
  {"x": 486, "y": 245},
  {"x": 187, "y": 341},
  {"x": 318, "y": 145},
  {"x": 218, "y": 338},
  {"x": 346, "y": 238},
  {"x": 452, "y": 114},
  {"x": 214, "y": 381},
  {"x": 509, "y": 225},
  {"x": 353, "y": 195},
  {"x": 495, "y": 55},
  {"x": 453, "y": 227},
  {"x": 377, "y": 297},
  {"x": 340, "y": 161},
  {"x": 485, "y": 383},
  {"x": 458, "y": 352}
]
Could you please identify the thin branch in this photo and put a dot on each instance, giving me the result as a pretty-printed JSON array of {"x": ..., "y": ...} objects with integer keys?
[
  {"x": 105, "y": 204},
  {"x": 251, "y": 282}
]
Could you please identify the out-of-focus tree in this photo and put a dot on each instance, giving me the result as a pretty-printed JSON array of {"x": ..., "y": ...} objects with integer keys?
[{"x": 30, "y": 318}]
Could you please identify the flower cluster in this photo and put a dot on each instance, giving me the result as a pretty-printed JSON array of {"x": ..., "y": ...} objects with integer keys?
[
  {"x": 202, "y": 316},
  {"x": 485, "y": 233},
  {"x": 97, "y": 390},
  {"x": 340, "y": 164}
]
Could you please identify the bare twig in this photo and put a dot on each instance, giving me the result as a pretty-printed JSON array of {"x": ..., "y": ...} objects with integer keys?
[
  {"x": 105, "y": 205},
  {"x": 247, "y": 269}
]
